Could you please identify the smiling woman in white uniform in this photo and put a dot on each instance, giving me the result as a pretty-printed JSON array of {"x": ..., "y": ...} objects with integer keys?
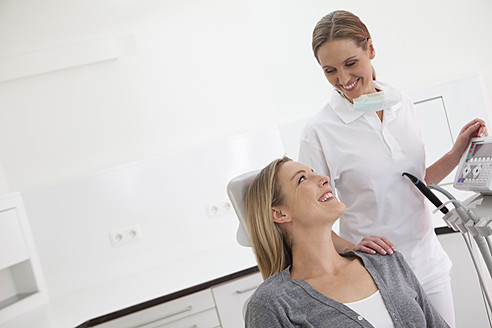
[{"x": 363, "y": 139}]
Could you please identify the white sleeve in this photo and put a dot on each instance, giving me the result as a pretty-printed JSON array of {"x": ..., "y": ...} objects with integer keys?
[
  {"x": 311, "y": 154},
  {"x": 418, "y": 128}
]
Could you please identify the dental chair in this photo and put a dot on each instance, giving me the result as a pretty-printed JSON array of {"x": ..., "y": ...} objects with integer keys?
[{"x": 236, "y": 190}]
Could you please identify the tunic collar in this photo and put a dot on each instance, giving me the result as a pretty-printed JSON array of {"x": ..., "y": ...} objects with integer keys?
[{"x": 345, "y": 109}]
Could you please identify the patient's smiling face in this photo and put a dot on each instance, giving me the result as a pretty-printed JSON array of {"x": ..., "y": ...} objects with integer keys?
[{"x": 308, "y": 196}]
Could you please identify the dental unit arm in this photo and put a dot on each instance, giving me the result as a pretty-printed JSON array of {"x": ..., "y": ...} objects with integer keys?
[{"x": 474, "y": 215}]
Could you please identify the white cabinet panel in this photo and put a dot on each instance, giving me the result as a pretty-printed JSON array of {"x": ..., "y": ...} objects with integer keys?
[
  {"x": 231, "y": 297},
  {"x": 436, "y": 133},
  {"x": 206, "y": 319},
  {"x": 167, "y": 312},
  {"x": 21, "y": 283},
  {"x": 12, "y": 246},
  {"x": 463, "y": 100}
]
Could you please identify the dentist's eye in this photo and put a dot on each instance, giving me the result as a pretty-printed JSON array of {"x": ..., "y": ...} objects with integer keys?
[
  {"x": 301, "y": 179},
  {"x": 351, "y": 63}
]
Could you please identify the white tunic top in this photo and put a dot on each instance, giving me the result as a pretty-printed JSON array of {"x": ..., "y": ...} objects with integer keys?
[{"x": 365, "y": 159}]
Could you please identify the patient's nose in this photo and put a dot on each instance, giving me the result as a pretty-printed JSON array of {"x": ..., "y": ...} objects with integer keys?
[{"x": 324, "y": 180}]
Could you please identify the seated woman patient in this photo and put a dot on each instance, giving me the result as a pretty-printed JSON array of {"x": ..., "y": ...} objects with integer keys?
[{"x": 291, "y": 211}]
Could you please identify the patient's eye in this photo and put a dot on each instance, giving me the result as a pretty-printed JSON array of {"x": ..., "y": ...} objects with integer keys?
[{"x": 301, "y": 179}]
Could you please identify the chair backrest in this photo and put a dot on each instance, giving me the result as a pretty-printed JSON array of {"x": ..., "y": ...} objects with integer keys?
[{"x": 236, "y": 190}]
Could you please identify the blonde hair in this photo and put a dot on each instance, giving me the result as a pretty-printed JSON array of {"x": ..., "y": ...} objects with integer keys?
[
  {"x": 338, "y": 25},
  {"x": 272, "y": 247}
]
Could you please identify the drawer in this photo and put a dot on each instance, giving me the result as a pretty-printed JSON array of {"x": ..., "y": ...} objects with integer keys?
[
  {"x": 231, "y": 297},
  {"x": 166, "y": 312},
  {"x": 206, "y": 319},
  {"x": 13, "y": 248}
]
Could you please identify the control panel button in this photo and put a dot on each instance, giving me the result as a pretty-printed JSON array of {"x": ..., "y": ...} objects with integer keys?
[{"x": 476, "y": 170}]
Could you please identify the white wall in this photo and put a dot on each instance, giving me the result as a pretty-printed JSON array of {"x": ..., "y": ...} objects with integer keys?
[
  {"x": 202, "y": 71},
  {"x": 167, "y": 198}
]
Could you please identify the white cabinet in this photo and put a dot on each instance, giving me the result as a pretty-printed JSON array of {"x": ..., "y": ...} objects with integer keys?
[
  {"x": 21, "y": 283},
  {"x": 13, "y": 249},
  {"x": 195, "y": 310},
  {"x": 204, "y": 319},
  {"x": 230, "y": 298},
  {"x": 219, "y": 305}
]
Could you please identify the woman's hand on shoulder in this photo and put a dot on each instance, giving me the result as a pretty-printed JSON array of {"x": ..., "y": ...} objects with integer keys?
[{"x": 373, "y": 244}]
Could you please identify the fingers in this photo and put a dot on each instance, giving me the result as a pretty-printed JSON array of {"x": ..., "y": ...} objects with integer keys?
[
  {"x": 373, "y": 244},
  {"x": 483, "y": 131},
  {"x": 364, "y": 249},
  {"x": 471, "y": 123},
  {"x": 480, "y": 128},
  {"x": 389, "y": 244},
  {"x": 475, "y": 128},
  {"x": 472, "y": 130}
]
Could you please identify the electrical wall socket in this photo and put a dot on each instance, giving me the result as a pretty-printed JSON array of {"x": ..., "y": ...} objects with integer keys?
[
  {"x": 216, "y": 210},
  {"x": 125, "y": 236}
]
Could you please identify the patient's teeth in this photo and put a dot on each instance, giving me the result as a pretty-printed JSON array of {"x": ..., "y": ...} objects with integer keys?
[{"x": 327, "y": 196}]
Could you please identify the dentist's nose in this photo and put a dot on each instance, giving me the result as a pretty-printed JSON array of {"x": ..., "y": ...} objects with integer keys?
[{"x": 343, "y": 77}]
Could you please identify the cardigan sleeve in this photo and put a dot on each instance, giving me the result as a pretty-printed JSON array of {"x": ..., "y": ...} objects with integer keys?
[{"x": 258, "y": 316}]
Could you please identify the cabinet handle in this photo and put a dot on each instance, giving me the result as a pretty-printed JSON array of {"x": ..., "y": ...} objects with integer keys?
[
  {"x": 194, "y": 326},
  {"x": 242, "y": 291},
  {"x": 186, "y": 309}
]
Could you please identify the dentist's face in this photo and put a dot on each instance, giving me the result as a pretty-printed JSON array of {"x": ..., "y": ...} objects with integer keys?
[{"x": 348, "y": 67}]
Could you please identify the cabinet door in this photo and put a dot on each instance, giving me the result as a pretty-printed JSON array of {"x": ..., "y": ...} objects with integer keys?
[
  {"x": 168, "y": 312},
  {"x": 231, "y": 297},
  {"x": 12, "y": 245}
]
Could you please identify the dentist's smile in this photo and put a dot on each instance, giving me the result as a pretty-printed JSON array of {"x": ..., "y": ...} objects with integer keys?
[{"x": 351, "y": 86}]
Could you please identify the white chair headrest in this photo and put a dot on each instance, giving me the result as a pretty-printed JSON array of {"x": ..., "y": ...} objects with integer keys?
[{"x": 236, "y": 190}]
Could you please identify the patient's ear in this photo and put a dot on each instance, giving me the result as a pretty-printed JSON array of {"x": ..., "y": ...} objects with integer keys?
[{"x": 279, "y": 215}]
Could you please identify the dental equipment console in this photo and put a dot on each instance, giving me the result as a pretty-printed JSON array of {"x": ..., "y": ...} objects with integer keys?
[
  {"x": 474, "y": 215},
  {"x": 475, "y": 166}
]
